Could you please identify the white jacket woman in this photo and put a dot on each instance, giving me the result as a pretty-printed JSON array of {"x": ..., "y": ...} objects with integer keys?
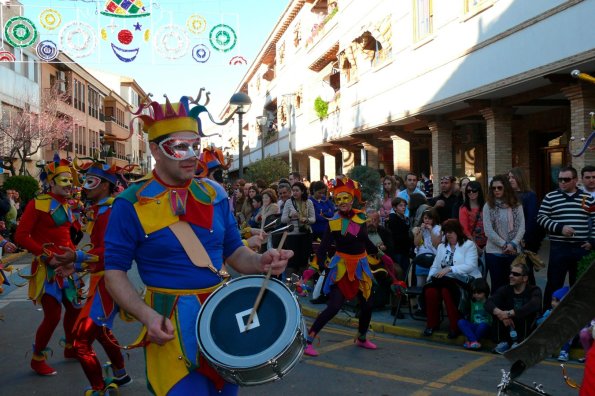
[{"x": 464, "y": 259}]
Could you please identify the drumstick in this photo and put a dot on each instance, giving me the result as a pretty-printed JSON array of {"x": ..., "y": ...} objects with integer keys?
[{"x": 264, "y": 285}]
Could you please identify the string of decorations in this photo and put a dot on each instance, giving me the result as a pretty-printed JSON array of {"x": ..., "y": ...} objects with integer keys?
[
  {"x": 47, "y": 50},
  {"x": 50, "y": 19},
  {"x": 201, "y": 53},
  {"x": 20, "y": 32},
  {"x": 238, "y": 60},
  {"x": 223, "y": 38},
  {"x": 196, "y": 24},
  {"x": 168, "y": 34},
  {"x": 78, "y": 39}
]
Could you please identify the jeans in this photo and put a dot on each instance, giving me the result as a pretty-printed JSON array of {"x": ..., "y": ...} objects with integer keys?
[
  {"x": 564, "y": 257},
  {"x": 499, "y": 268},
  {"x": 473, "y": 331}
]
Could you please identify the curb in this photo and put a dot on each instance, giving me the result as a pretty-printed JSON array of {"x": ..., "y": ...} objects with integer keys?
[{"x": 440, "y": 337}]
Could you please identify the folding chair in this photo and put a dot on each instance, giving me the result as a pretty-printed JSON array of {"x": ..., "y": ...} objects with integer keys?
[{"x": 412, "y": 291}]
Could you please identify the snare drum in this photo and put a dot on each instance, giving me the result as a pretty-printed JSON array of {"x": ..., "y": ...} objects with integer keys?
[{"x": 268, "y": 350}]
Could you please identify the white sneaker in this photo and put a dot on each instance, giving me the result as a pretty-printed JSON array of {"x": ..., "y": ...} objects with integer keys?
[
  {"x": 502, "y": 347},
  {"x": 563, "y": 357}
]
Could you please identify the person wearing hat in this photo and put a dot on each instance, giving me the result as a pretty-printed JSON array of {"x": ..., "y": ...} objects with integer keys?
[
  {"x": 95, "y": 320},
  {"x": 212, "y": 164},
  {"x": 348, "y": 272},
  {"x": 163, "y": 222},
  {"x": 557, "y": 296},
  {"x": 44, "y": 230}
]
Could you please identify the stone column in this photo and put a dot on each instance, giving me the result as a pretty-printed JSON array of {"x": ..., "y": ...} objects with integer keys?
[
  {"x": 582, "y": 102},
  {"x": 330, "y": 168},
  {"x": 371, "y": 155},
  {"x": 401, "y": 155},
  {"x": 314, "y": 169},
  {"x": 349, "y": 160},
  {"x": 442, "y": 150},
  {"x": 498, "y": 139}
]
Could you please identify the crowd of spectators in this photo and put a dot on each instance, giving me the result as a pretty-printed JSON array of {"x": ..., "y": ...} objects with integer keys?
[{"x": 461, "y": 244}]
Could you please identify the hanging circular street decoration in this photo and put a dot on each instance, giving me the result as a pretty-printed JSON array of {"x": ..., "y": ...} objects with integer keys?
[
  {"x": 196, "y": 24},
  {"x": 77, "y": 39},
  {"x": 47, "y": 50},
  {"x": 238, "y": 60},
  {"x": 20, "y": 32},
  {"x": 50, "y": 19},
  {"x": 201, "y": 53},
  {"x": 6, "y": 56},
  {"x": 171, "y": 41},
  {"x": 223, "y": 38}
]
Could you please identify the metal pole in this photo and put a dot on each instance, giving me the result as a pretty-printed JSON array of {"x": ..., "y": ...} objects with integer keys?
[
  {"x": 241, "y": 144},
  {"x": 290, "y": 157}
]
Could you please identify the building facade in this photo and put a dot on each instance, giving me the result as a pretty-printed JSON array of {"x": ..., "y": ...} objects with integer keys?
[{"x": 458, "y": 87}]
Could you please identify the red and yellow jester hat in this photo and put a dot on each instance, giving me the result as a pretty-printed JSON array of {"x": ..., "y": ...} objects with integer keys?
[
  {"x": 55, "y": 167},
  {"x": 348, "y": 186}
]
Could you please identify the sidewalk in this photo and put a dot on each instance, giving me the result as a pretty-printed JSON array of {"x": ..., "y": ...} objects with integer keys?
[{"x": 382, "y": 320}]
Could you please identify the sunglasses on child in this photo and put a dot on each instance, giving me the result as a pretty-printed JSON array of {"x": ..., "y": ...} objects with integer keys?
[
  {"x": 497, "y": 188},
  {"x": 516, "y": 274}
]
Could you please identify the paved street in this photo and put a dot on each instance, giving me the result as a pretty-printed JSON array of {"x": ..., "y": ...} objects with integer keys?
[{"x": 401, "y": 366}]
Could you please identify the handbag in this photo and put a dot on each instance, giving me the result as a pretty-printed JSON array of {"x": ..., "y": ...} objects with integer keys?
[{"x": 424, "y": 260}]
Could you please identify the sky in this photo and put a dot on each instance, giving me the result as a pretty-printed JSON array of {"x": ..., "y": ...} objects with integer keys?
[{"x": 175, "y": 51}]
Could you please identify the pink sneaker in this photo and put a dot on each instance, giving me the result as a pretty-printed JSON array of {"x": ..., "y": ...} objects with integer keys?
[
  {"x": 310, "y": 351},
  {"x": 474, "y": 345},
  {"x": 466, "y": 345},
  {"x": 367, "y": 344}
]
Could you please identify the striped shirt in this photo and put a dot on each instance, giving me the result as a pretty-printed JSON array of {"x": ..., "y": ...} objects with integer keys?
[{"x": 560, "y": 209}]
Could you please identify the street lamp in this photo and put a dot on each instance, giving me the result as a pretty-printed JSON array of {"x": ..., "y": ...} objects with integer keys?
[
  {"x": 243, "y": 102},
  {"x": 262, "y": 121}
]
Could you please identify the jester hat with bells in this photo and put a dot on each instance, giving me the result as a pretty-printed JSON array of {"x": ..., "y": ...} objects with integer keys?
[
  {"x": 211, "y": 158},
  {"x": 55, "y": 167},
  {"x": 168, "y": 118},
  {"x": 113, "y": 174},
  {"x": 348, "y": 186}
]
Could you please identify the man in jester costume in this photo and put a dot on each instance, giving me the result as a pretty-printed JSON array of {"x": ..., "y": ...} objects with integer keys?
[
  {"x": 161, "y": 222},
  {"x": 44, "y": 230},
  {"x": 348, "y": 271},
  {"x": 96, "y": 318}
]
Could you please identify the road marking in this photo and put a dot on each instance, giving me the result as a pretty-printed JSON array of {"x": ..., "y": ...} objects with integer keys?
[
  {"x": 369, "y": 373},
  {"x": 464, "y": 370},
  {"x": 470, "y": 391},
  {"x": 335, "y": 346}
]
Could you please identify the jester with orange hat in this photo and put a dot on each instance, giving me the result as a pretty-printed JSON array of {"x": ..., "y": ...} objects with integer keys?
[
  {"x": 161, "y": 222},
  {"x": 44, "y": 230},
  {"x": 96, "y": 318},
  {"x": 349, "y": 273}
]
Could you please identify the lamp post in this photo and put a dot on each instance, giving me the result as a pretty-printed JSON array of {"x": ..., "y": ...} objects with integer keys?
[
  {"x": 289, "y": 98},
  {"x": 262, "y": 121},
  {"x": 243, "y": 102}
]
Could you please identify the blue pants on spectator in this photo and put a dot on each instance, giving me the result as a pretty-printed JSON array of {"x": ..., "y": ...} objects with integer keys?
[
  {"x": 564, "y": 257},
  {"x": 472, "y": 331}
]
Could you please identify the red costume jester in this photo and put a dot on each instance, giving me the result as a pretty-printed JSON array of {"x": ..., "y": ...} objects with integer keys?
[
  {"x": 44, "y": 230},
  {"x": 151, "y": 223},
  {"x": 349, "y": 273},
  {"x": 96, "y": 318}
]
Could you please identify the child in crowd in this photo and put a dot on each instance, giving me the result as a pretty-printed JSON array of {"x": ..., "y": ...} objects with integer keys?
[
  {"x": 557, "y": 296},
  {"x": 479, "y": 322}
]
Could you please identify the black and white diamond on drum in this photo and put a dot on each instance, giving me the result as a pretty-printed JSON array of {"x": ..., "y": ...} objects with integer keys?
[{"x": 264, "y": 352}]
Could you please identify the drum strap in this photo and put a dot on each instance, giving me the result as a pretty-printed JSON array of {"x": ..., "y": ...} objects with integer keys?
[{"x": 192, "y": 246}]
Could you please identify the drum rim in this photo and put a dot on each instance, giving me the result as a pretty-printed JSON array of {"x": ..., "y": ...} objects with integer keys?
[{"x": 214, "y": 354}]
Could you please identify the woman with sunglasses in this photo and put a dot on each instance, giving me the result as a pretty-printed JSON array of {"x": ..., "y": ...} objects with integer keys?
[
  {"x": 471, "y": 216},
  {"x": 504, "y": 226}
]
